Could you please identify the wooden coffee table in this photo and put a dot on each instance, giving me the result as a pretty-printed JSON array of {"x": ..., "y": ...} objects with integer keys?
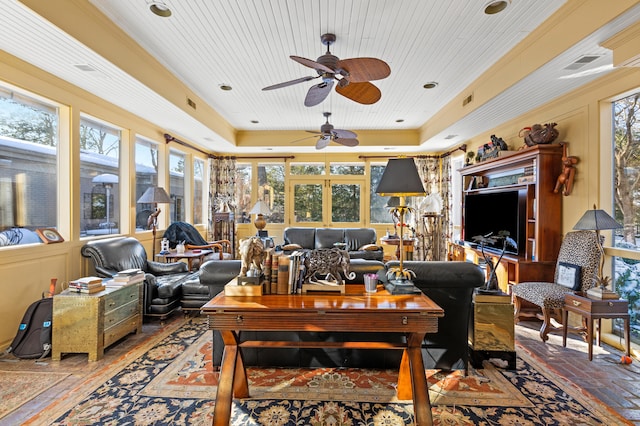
[{"x": 413, "y": 315}]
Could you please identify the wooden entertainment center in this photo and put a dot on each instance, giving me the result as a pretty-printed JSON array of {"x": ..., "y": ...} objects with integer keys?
[{"x": 532, "y": 172}]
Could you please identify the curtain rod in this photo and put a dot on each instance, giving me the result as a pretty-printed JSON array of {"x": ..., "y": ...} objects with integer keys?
[
  {"x": 168, "y": 138},
  {"x": 462, "y": 147}
]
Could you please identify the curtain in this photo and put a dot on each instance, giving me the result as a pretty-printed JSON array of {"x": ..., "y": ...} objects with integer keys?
[
  {"x": 222, "y": 188},
  {"x": 433, "y": 228}
]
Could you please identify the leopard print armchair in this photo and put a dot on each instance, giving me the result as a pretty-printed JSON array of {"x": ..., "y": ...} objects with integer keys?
[{"x": 579, "y": 248}]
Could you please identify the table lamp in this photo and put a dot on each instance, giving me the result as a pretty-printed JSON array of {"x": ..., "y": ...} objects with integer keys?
[
  {"x": 154, "y": 195},
  {"x": 260, "y": 209},
  {"x": 401, "y": 179},
  {"x": 597, "y": 220}
]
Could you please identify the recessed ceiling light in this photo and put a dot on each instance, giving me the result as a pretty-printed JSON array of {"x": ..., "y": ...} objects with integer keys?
[
  {"x": 389, "y": 148},
  {"x": 400, "y": 120},
  {"x": 160, "y": 9},
  {"x": 254, "y": 121},
  {"x": 225, "y": 87},
  {"x": 496, "y": 6},
  {"x": 430, "y": 85}
]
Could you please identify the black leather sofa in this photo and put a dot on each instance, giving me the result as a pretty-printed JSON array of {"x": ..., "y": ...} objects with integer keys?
[
  {"x": 361, "y": 243},
  {"x": 449, "y": 284},
  {"x": 163, "y": 281}
]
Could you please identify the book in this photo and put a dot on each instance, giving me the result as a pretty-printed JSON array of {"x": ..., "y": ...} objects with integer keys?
[
  {"x": 282, "y": 283},
  {"x": 90, "y": 290},
  {"x": 86, "y": 281},
  {"x": 136, "y": 278},
  {"x": 274, "y": 272}
]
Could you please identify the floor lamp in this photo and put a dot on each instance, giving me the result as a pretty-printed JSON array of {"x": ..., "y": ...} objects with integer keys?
[
  {"x": 401, "y": 179},
  {"x": 154, "y": 195}
]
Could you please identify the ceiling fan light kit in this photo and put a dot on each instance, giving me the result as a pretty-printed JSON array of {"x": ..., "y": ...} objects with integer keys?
[{"x": 354, "y": 76}]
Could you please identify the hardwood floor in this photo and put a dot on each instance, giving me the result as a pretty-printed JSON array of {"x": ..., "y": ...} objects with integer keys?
[{"x": 614, "y": 384}]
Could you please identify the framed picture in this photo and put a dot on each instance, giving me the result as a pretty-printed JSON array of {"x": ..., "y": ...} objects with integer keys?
[
  {"x": 568, "y": 275},
  {"x": 49, "y": 235}
]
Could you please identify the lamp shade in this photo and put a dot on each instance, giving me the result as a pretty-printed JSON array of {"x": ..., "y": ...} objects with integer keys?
[
  {"x": 596, "y": 220},
  {"x": 401, "y": 179},
  {"x": 260, "y": 208},
  {"x": 154, "y": 195}
]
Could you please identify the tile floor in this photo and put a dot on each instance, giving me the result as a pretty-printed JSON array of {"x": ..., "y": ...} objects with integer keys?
[{"x": 615, "y": 384}]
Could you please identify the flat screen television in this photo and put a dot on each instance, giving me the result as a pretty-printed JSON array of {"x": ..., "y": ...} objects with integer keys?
[{"x": 486, "y": 212}]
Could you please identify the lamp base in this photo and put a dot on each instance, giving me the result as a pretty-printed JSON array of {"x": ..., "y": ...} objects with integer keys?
[
  {"x": 601, "y": 293},
  {"x": 401, "y": 287}
]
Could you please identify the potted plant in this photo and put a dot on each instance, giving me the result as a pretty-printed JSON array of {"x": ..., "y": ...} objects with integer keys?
[{"x": 502, "y": 237}]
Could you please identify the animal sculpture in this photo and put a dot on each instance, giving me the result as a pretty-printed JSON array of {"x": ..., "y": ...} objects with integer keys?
[
  {"x": 252, "y": 255},
  {"x": 328, "y": 263}
]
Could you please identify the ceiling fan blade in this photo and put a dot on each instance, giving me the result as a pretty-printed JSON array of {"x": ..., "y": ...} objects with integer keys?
[
  {"x": 311, "y": 64},
  {"x": 347, "y": 141},
  {"x": 323, "y": 142},
  {"x": 302, "y": 139},
  {"x": 318, "y": 93},
  {"x": 314, "y": 132},
  {"x": 365, "y": 69},
  {"x": 364, "y": 93},
  {"x": 290, "y": 83},
  {"x": 345, "y": 134}
]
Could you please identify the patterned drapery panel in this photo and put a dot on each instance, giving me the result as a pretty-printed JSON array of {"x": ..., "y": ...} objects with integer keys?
[
  {"x": 222, "y": 186},
  {"x": 433, "y": 229}
]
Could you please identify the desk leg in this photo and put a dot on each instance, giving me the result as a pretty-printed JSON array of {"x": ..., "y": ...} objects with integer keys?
[
  {"x": 412, "y": 371},
  {"x": 590, "y": 337},
  {"x": 565, "y": 326},
  {"x": 232, "y": 381},
  {"x": 627, "y": 335}
]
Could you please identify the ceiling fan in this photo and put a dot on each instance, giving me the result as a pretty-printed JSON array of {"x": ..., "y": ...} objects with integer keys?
[
  {"x": 353, "y": 76},
  {"x": 328, "y": 133}
]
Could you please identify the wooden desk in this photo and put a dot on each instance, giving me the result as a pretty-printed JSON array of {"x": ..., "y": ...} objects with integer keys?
[
  {"x": 592, "y": 309},
  {"x": 413, "y": 315},
  {"x": 188, "y": 254}
]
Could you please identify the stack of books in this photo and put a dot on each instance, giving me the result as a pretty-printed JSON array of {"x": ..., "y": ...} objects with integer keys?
[
  {"x": 126, "y": 277},
  {"x": 86, "y": 285}
]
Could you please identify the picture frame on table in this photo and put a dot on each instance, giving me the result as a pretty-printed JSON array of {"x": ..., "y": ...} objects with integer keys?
[{"x": 49, "y": 235}]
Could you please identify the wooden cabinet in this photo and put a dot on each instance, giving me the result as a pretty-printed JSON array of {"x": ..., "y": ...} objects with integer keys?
[
  {"x": 532, "y": 173},
  {"x": 88, "y": 323},
  {"x": 224, "y": 227}
]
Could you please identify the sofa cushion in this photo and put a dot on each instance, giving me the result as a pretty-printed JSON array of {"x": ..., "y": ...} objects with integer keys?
[
  {"x": 358, "y": 237},
  {"x": 327, "y": 237},
  {"x": 305, "y": 237}
]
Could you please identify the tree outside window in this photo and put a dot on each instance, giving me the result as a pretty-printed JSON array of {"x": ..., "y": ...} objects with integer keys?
[{"x": 626, "y": 134}]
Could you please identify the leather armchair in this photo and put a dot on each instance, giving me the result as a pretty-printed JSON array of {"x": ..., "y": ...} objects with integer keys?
[{"x": 163, "y": 281}]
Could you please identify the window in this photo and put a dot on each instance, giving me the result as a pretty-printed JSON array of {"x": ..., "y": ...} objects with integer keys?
[
  {"x": 99, "y": 177},
  {"x": 176, "y": 185},
  {"x": 29, "y": 140},
  {"x": 243, "y": 192},
  {"x": 307, "y": 169},
  {"x": 379, "y": 211},
  {"x": 271, "y": 190},
  {"x": 198, "y": 190},
  {"x": 626, "y": 170},
  {"x": 146, "y": 176}
]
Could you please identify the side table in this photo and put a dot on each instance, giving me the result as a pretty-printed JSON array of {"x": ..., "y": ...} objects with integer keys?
[{"x": 592, "y": 309}]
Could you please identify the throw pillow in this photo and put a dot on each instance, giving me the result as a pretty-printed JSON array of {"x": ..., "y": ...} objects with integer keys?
[
  {"x": 288, "y": 247},
  {"x": 369, "y": 247},
  {"x": 568, "y": 275}
]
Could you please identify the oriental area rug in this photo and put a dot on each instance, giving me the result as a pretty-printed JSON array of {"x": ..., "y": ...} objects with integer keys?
[{"x": 172, "y": 381}]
